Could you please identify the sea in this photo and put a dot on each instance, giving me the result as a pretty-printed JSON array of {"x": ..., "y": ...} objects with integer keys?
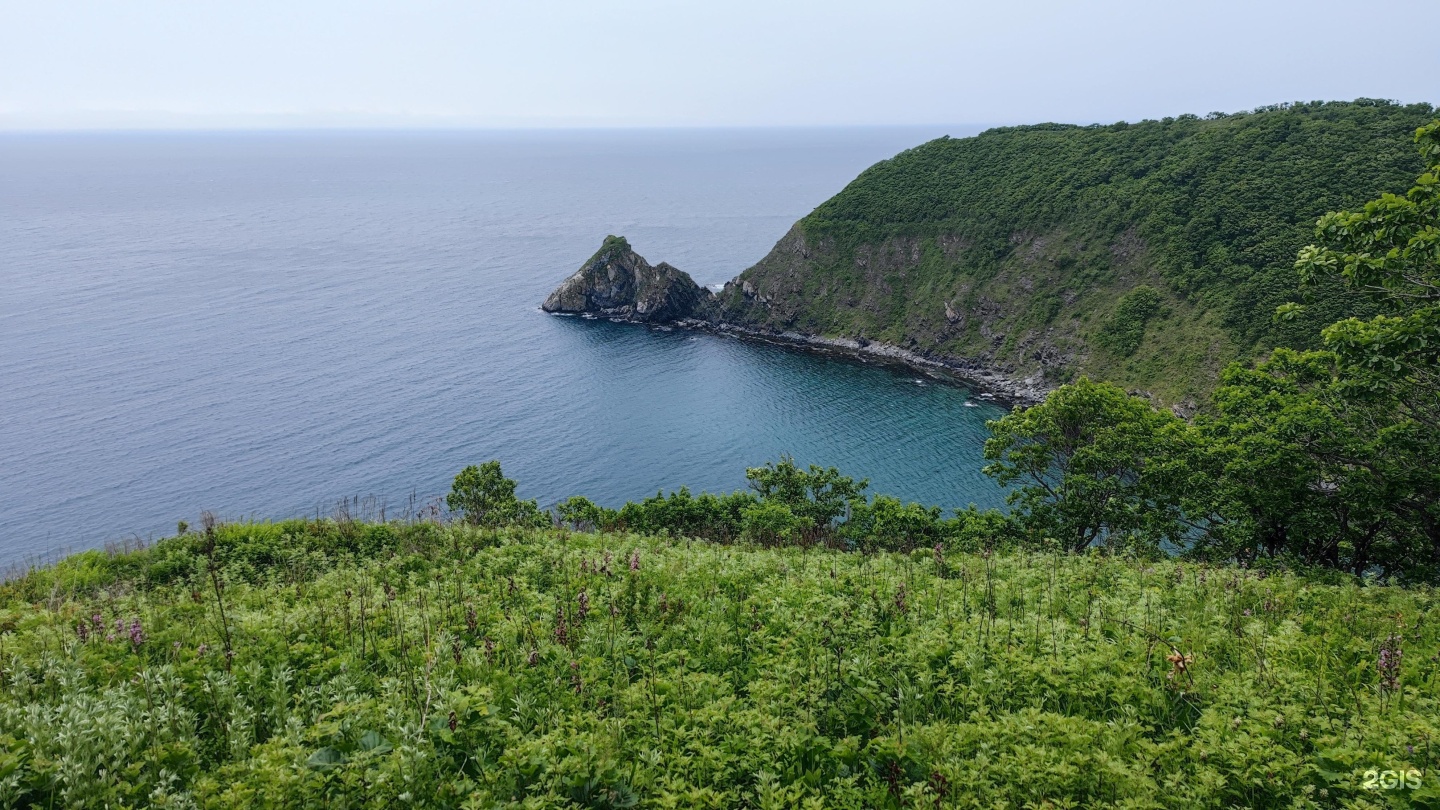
[{"x": 276, "y": 324}]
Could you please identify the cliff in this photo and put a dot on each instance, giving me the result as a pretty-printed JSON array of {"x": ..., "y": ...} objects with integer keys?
[
  {"x": 1149, "y": 254},
  {"x": 618, "y": 283}
]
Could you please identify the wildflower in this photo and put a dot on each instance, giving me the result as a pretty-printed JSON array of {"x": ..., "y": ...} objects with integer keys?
[
  {"x": 605, "y": 566},
  {"x": 533, "y": 658},
  {"x": 98, "y": 620},
  {"x": 635, "y": 560},
  {"x": 201, "y": 650},
  {"x": 83, "y": 631},
  {"x": 939, "y": 783},
  {"x": 489, "y": 649},
  {"x": 582, "y": 606},
  {"x": 453, "y": 721},
  {"x": 562, "y": 630},
  {"x": 137, "y": 633},
  {"x": 575, "y": 682},
  {"x": 389, "y": 593},
  {"x": 1389, "y": 663},
  {"x": 900, "y": 598},
  {"x": 455, "y": 651},
  {"x": 1247, "y": 611}
]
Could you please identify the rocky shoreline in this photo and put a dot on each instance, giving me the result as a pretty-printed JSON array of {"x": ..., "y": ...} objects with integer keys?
[
  {"x": 616, "y": 284},
  {"x": 988, "y": 383}
]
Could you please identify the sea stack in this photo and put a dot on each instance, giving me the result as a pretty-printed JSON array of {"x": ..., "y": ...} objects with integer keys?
[{"x": 618, "y": 283}]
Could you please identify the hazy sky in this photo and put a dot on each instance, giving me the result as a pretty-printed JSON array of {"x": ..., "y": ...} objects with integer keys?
[{"x": 149, "y": 63}]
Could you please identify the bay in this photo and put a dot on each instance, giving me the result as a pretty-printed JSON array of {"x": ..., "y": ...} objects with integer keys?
[{"x": 262, "y": 324}]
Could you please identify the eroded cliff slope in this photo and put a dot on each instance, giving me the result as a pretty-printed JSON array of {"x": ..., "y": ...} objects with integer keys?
[{"x": 1147, "y": 254}]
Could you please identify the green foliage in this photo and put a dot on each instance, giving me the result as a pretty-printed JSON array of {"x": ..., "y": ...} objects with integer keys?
[
  {"x": 818, "y": 495},
  {"x": 772, "y": 523},
  {"x": 791, "y": 505},
  {"x": 485, "y": 497},
  {"x": 1094, "y": 465},
  {"x": 1390, "y": 251},
  {"x": 711, "y": 517},
  {"x": 582, "y": 514},
  {"x": 1320, "y": 458},
  {"x": 991, "y": 247},
  {"x": 1125, "y": 328},
  {"x": 1297, "y": 467},
  {"x": 887, "y": 524},
  {"x": 546, "y": 668}
]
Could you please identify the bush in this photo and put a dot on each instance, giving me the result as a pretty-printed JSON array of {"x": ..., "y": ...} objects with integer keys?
[
  {"x": 511, "y": 666},
  {"x": 483, "y": 496}
]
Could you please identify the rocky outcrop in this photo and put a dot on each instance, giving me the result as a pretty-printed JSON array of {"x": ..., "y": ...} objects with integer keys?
[{"x": 618, "y": 283}]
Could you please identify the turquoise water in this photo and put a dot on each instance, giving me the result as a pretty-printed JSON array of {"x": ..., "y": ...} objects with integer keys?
[{"x": 263, "y": 324}]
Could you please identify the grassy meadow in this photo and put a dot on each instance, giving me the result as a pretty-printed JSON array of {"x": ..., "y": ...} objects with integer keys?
[{"x": 316, "y": 663}]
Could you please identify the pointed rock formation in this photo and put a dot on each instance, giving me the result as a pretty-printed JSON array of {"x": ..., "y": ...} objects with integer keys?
[{"x": 618, "y": 283}]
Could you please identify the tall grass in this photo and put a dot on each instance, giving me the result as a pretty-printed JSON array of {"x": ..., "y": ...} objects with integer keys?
[{"x": 451, "y": 667}]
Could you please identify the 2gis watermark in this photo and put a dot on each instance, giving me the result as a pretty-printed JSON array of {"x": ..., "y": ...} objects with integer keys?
[{"x": 1408, "y": 779}]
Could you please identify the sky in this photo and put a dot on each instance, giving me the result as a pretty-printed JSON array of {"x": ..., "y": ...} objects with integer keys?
[{"x": 68, "y": 64}]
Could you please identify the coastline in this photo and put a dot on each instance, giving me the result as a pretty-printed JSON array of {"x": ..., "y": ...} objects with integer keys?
[{"x": 988, "y": 383}]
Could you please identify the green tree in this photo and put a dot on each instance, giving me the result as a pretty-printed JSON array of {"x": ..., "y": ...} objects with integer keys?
[
  {"x": 1283, "y": 479},
  {"x": 1385, "y": 378},
  {"x": 1389, "y": 250},
  {"x": 775, "y": 524},
  {"x": 1094, "y": 464},
  {"x": 583, "y": 514},
  {"x": 888, "y": 524},
  {"x": 819, "y": 494},
  {"x": 485, "y": 497}
]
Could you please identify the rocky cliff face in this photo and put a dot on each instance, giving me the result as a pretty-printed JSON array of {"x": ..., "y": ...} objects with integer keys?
[{"x": 618, "y": 283}]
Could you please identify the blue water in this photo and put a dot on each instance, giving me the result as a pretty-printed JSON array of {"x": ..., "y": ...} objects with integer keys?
[{"x": 263, "y": 324}]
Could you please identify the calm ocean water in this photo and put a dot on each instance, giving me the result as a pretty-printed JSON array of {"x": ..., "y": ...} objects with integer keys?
[{"x": 263, "y": 324}]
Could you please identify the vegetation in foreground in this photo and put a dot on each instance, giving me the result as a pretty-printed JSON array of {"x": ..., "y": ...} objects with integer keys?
[{"x": 379, "y": 665}]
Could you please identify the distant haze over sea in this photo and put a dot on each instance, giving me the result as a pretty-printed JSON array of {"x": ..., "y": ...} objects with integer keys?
[{"x": 261, "y": 324}]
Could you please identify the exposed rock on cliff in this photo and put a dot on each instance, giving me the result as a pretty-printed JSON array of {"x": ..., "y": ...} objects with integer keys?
[
  {"x": 1021, "y": 250},
  {"x": 1014, "y": 257},
  {"x": 618, "y": 283}
]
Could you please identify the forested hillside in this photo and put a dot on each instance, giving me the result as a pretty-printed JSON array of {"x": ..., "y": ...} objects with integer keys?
[{"x": 1147, "y": 254}]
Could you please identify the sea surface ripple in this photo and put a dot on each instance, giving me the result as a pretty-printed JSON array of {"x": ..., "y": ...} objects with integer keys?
[{"x": 263, "y": 324}]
